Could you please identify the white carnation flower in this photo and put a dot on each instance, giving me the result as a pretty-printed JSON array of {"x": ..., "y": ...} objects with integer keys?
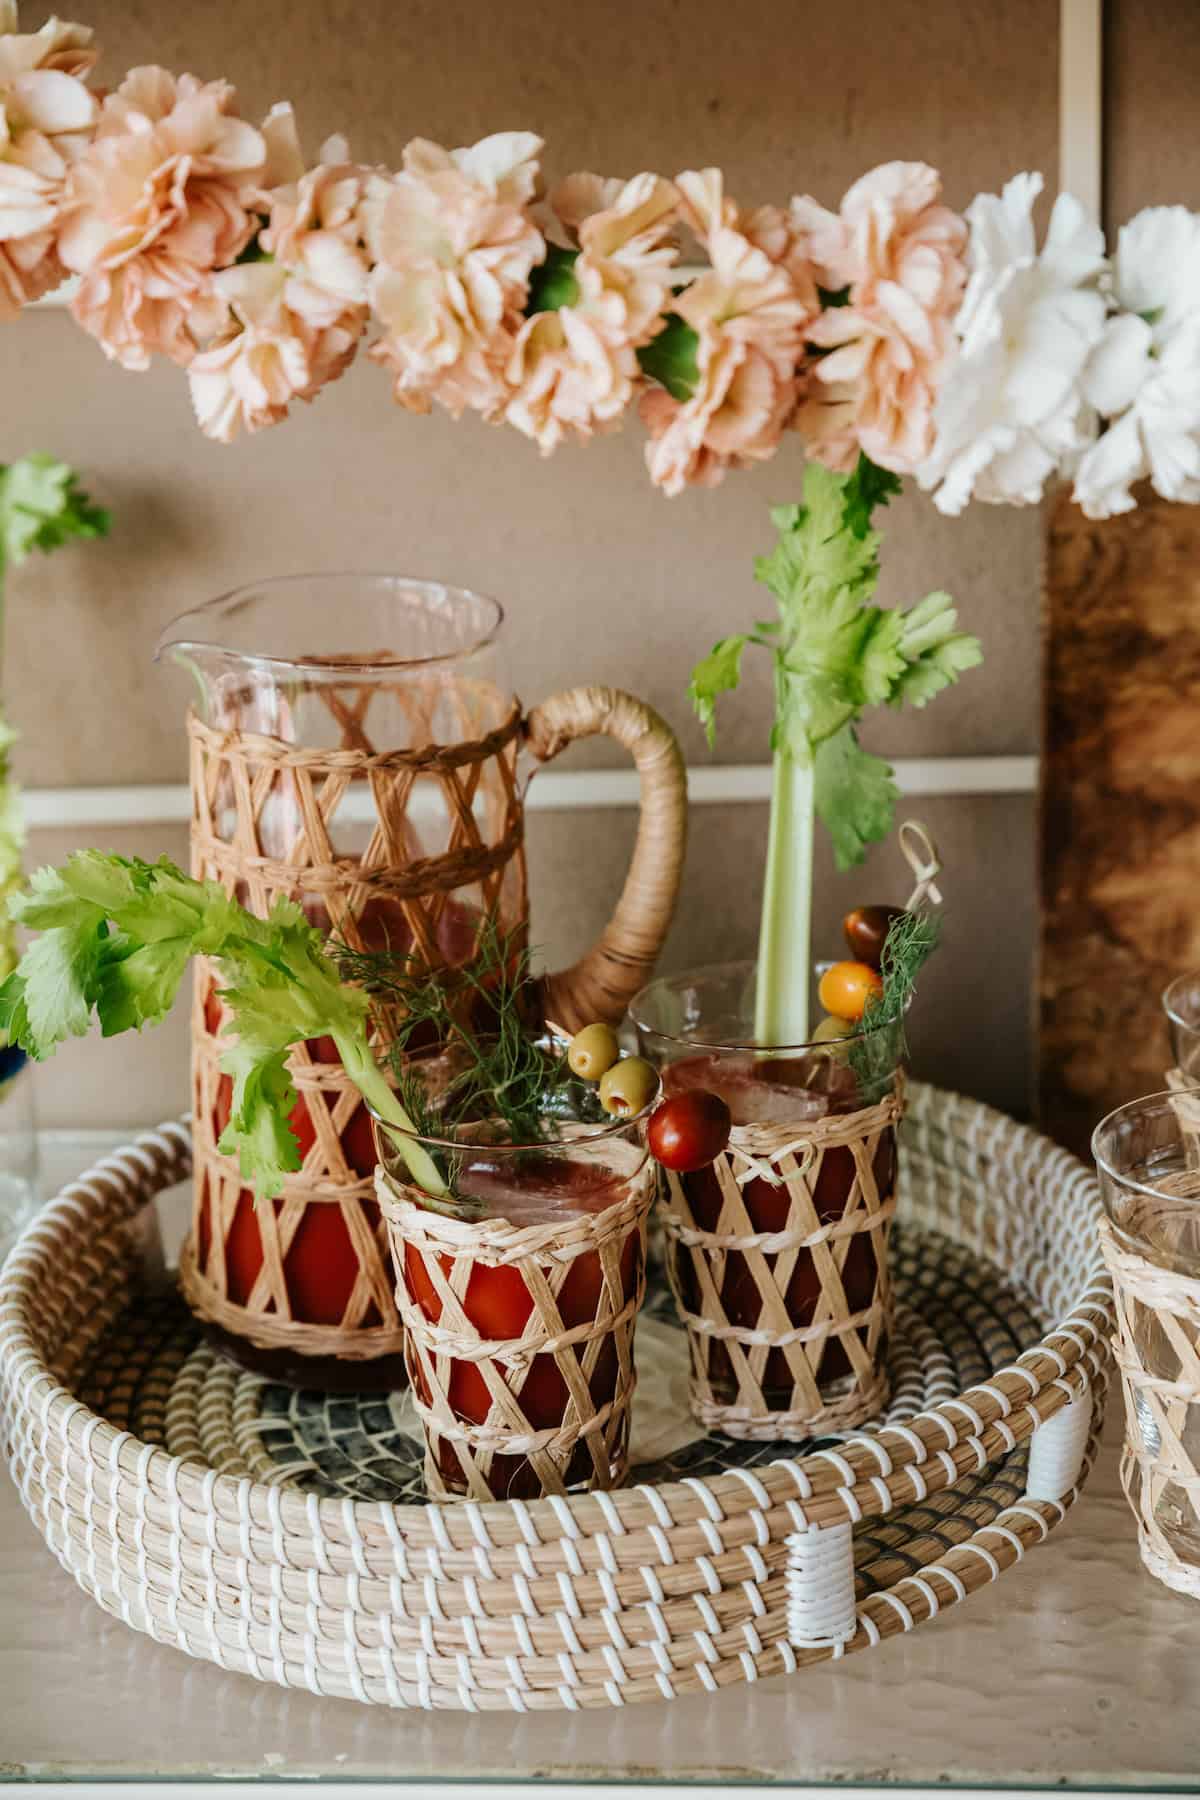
[
  {"x": 1011, "y": 410},
  {"x": 1144, "y": 375}
]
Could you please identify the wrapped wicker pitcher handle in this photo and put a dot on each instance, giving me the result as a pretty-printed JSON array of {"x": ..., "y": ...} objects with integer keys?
[{"x": 603, "y": 982}]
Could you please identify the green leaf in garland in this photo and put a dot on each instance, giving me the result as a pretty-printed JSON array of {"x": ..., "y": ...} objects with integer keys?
[
  {"x": 254, "y": 252},
  {"x": 868, "y": 487},
  {"x": 552, "y": 284},
  {"x": 670, "y": 358}
]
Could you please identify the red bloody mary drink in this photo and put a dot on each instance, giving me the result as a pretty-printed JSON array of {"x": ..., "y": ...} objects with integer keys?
[
  {"x": 321, "y": 1265},
  {"x": 354, "y": 742},
  {"x": 698, "y": 1029},
  {"x": 519, "y": 1292}
]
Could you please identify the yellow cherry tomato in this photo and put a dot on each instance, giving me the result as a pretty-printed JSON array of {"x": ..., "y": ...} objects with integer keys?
[{"x": 846, "y": 988}]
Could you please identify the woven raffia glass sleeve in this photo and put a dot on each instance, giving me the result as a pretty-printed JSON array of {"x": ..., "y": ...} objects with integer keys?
[
  {"x": 336, "y": 827},
  {"x": 760, "y": 1369},
  {"x": 527, "y": 1390},
  {"x": 1158, "y": 1356}
]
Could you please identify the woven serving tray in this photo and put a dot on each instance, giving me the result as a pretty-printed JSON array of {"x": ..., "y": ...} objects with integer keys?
[{"x": 282, "y": 1533}]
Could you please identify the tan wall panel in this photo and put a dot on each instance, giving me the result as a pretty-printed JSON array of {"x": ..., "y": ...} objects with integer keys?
[
  {"x": 969, "y": 1028},
  {"x": 1151, "y": 77},
  {"x": 605, "y": 579}
]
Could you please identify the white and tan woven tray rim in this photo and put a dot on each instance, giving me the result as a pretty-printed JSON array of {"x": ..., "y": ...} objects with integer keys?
[{"x": 592, "y": 1600}]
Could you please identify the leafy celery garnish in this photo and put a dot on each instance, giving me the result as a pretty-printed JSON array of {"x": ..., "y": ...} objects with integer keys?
[
  {"x": 116, "y": 937},
  {"x": 835, "y": 653}
]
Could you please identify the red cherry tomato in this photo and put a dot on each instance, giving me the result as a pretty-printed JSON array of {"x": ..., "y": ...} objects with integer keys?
[{"x": 689, "y": 1131}]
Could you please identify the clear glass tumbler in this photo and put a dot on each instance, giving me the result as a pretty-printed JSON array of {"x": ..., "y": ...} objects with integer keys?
[
  {"x": 1148, "y": 1161},
  {"x": 698, "y": 1029},
  {"x": 1181, "y": 1003},
  {"x": 540, "y": 1244}
]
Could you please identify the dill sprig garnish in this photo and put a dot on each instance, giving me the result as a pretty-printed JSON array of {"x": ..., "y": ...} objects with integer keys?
[
  {"x": 911, "y": 941},
  {"x": 874, "y": 1050},
  {"x": 485, "y": 1017}
]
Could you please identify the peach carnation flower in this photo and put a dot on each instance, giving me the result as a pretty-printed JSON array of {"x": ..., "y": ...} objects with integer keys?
[
  {"x": 271, "y": 353},
  {"x": 575, "y": 368},
  {"x": 749, "y": 313},
  {"x": 902, "y": 256},
  {"x": 453, "y": 246},
  {"x": 565, "y": 377},
  {"x": 46, "y": 118},
  {"x": 155, "y": 205},
  {"x": 293, "y": 322},
  {"x": 625, "y": 265}
]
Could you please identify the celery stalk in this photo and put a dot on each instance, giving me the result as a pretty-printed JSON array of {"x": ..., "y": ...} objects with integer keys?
[
  {"x": 781, "y": 999},
  {"x": 834, "y": 653},
  {"x": 368, "y": 1078}
]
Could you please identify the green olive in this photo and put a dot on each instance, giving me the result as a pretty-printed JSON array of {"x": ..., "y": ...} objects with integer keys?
[
  {"x": 628, "y": 1086},
  {"x": 831, "y": 1029},
  {"x": 592, "y": 1051}
]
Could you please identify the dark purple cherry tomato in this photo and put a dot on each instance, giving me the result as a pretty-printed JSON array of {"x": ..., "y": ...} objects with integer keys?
[
  {"x": 866, "y": 930},
  {"x": 689, "y": 1131}
]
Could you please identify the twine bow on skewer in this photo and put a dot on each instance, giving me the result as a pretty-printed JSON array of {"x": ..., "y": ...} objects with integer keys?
[{"x": 921, "y": 854}]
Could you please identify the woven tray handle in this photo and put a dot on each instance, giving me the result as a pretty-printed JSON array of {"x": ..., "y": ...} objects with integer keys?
[{"x": 603, "y": 982}]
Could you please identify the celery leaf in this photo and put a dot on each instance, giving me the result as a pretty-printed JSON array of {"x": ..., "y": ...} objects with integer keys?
[
  {"x": 848, "y": 658},
  {"x": 816, "y": 557},
  {"x": 42, "y": 506},
  {"x": 14, "y": 1014},
  {"x": 718, "y": 673},
  {"x": 290, "y": 989},
  {"x": 935, "y": 654},
  {"x": 259, "y": 1131},
  {"x": 61, "y": 976},
  {"x": 855, "y": 796},
  {"x": 138, "y": 984}
]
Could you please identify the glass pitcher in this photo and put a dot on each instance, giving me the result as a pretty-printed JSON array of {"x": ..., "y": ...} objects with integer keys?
[{"x": 357, "y": 745}]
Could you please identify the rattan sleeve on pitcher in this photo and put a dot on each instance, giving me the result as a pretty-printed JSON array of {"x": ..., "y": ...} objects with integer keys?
[{"x": 603, "y": 982}]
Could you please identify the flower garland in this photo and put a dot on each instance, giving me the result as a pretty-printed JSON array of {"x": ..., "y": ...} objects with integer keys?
[{"x": 952, "y": 349}]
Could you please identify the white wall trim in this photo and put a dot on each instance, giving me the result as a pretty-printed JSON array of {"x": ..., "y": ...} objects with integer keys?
[
  {"x": 555, "y": 790},
  {"x": 566, "y": 1781},
  {"x": 1081, "y": 102}
]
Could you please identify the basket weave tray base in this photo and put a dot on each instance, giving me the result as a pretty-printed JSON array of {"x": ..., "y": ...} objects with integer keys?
[
  {"x": 229, "y": 1517},
  {"x": 154, "y": 1374}
]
